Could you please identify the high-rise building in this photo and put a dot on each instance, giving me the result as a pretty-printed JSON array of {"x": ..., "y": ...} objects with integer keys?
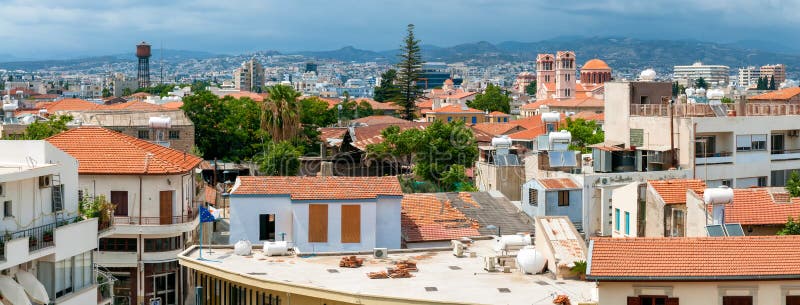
[
  {"x": 250, "y": 76},
  {"x": 749, "y": 76},
  {"x": 433, "y": 75},
  {"x": 777, "y": 71},
  {"x": 143, "y": 72},
  {"x": 311, "y": 67},
  {"x": 712, "y": 74}
]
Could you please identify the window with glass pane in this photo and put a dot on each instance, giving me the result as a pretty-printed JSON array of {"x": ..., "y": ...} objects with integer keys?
[
  {"x": 759, "y": 142},
  {"x": 743, "y": 143}
]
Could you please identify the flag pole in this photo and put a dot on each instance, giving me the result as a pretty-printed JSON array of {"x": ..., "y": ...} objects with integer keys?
[{"x": 201, "y": 240}]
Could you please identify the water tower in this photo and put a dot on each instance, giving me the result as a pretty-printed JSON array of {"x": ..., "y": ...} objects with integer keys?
[{"x": 143, "y": 73}]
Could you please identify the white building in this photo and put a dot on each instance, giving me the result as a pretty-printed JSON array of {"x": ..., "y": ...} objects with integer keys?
[
  {"x": 153, "y": 188},
  {"x": 318, "y": 214},
  {"x": 712, "y": 74},
  {"x": 748, "y": 76},
  {"x": 44, "y": 235}
]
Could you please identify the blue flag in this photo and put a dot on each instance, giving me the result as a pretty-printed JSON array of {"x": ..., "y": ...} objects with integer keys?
[{"x": 206, "y": 216}]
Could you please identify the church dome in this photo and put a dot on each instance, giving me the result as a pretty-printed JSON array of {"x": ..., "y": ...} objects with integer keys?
[{"x": 595, "y": 64}]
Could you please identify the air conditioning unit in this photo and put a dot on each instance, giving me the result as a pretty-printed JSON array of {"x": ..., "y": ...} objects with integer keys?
[
  {"x": 458, "y": 249},
  {"x": 604, "y": 180},
  {"x": 380, "y": 253},
  {"x": 490, "y": 263},
  {"x": 45, "y": 181}
]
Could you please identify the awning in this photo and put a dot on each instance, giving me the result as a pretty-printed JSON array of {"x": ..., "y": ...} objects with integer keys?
[
  {"x": 33, "y": 287},
  {"x": 12, "y": 292}
]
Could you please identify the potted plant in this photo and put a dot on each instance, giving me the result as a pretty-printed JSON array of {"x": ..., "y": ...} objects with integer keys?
[
  {"x": 32, "y": 241},
  {"x": 47, "y": 236},
  {"x": 579, "y": 268}
]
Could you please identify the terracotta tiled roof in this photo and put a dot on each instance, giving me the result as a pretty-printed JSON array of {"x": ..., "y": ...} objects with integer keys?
[
  {"x": 426, "y": 218},
  {"x": 332, "y": 132},
  {"x": 141, "y": 95},
  {"x": 457, "y": 109},
  {"x": 498, "y": 113},
  {"x": 589, "y": 116},
  {"x": 378, "y": 105},
  {"x": 707, "y": 258},
  {"x": 133, "y": 106},
  {"x": 533, "y": 122},
  {"x": 528, "y": 134},
  {"x": 107, "y": 152},
  {"x": 497, "y": 129},
  {"x": 674, "y": 191},
  {"x": 454, "y": 94},
  {"x": 595, "y": 64},
  {"x": 45, "y": 97},
  {"x": 558, "y": 183},
  {"x": 68, "y": 104},
  {"x": 577, "y": 102},
  {"x": 778, "y": 95},
  {"x": 380, "y": 119},
  {"x": 363, "y": 136},
  {"x": 172, "y": 105},
  {"x": 319, "y": 188},
  {"x": 426, "y": 103},
  {"x": 210, "y": 194},
  {"x": 757, "y": 207},
  {"x": 332, "y": 102},
  {"x": 258, "y": 97}
]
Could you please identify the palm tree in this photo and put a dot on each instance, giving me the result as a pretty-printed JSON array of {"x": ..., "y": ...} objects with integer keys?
[{"x": 280, "y": 113}]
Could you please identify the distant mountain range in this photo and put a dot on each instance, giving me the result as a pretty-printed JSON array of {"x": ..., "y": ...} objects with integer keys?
[{"x": 626, "y": 55}]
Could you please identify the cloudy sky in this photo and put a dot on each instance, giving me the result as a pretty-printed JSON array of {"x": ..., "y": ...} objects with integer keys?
[{"x": 64, "y": 28}]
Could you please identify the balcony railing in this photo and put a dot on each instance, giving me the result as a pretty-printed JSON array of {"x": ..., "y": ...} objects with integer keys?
[
  {"x": 155, "y": 220},
  {"x": 38, "y": 237},
  {"x": 784, "y": 154},
  {"x": 714, "y": 154},
  {"x": 713, "y": 158},
  {"x": 706, "y": 110}
]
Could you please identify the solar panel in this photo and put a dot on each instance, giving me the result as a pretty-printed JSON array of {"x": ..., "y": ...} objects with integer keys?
[
  {"x": 562, "y": 159},
  {"x": 543, "y": 142},
  {"x": 734, "y": 229},
  {"x": 715, "y": 231},
  {"x": 506, "y": 160}
]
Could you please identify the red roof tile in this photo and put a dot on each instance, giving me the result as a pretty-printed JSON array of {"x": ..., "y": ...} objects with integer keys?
[
  {"x": 674, "y": 191},
  {"x": 133, "y": 106},
  {"x": 258, "y": 97},
  {"x": 68, "y": 104},
  {"x": 380, "y": 119},
  {"x": 319, "y": 188},
  {"x": 106, "y": 152},
  {"x": 457, "y": 109},
  {"x": 757, "y": 207},
  {"x": 710, "y": 258},
  {"x": 558, "y": 183},
  {"x": 779, "y": 95},
  {"x": 425, "y": 218},
  {"x": 577, "y": 102},
  {"x": 497, "y": 129},
  {"x": 378, "y": 105},
  {"x": 366, "y": 135},
  {"x": 172, "y": 105}
]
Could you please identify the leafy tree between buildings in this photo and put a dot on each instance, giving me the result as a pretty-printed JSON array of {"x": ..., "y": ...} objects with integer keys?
[
  {"x": 126, "y": 92},
  {"x": 772, "y": 82},
  {"x": 678, "y": 89},
  {"x": 492, "y": 99},
  {"x": 409, "y": 70},
  {"x": 727, "y": 100},
  {"x": 225, "y": 128},
  {"x": 793, "y": 184},
  {"x": 44, "y": 129},
  {"x": 530, "y": 89},
  {"x": 106, "y": 92},
  {"x": 701, "y": 83},
  {"x": 792, "y": 227},
  {"x": 387, "y": 90},
  {"x": 279, "y": 159},
  {"x": 584, "y": 133},
  {"x": 314, "y": 111},
  {"x": 398, "y": 148}
]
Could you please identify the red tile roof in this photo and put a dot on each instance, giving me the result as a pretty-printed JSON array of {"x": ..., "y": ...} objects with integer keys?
[
  {"x": 258, "y": 97},
  {"x": 454, "y": 94},
  {"x": 426, "y": 103},
  {"x": 380, "y": 119},
  {"x": 456, "y": 109},
  {"x": 779, "y": 95},
  {"x": 589, "y": 116},
  {"x": 378, "y": 105},
  {"x": 674, "y": 191},
  {"x": 558, "y": 183},
  {"x": 497, "y": 129},
  {"x": 106, "y": 152},
  {"x": 757, "y": 207},
  {"x": 366, "y": 135},
  {"x": 425, "y": 218},
  {"x": 595, "y": 64},
  {"x": 581, "y": 101},
  {"x": 529, "y": 134},
  {"x": 498, "y": 113},
  {"x": 707, "y": 258},
  {"x": 319, "y": 188},
  {"x": 133, "y": 106},
  {"x": 172, "y": 105},
  {"x": 68, "y": 104}
]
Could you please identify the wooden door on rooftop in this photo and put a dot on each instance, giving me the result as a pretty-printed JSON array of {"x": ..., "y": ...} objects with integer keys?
[
  {"x": 120, "y": 199},
  {"x": 165, "y": 207},
  {"x": 793, "y": 300},
  {"x": 737, "y": 300},
  {"x": 317, "y": 223}
]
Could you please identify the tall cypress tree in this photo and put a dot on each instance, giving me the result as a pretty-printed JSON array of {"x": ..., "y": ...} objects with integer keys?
[
  {"x": 772, "y": 82},
  {"x": 409, "y": 70}
]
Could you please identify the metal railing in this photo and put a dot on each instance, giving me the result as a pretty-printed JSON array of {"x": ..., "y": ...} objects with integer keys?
[
  {"x": 784, "y": 151},
  {"x": 706, "y": 110},
  {"x": 155, "y": 220},
  {"x": 713, "y": 154},
  {"x": 38, "y": 237}
]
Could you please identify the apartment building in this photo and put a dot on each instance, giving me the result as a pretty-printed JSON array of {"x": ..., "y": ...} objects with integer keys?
[
  {"x": 153, "y": 189},
  {"x": 777, "y": 71},
  {"x": 46, "y": 239},
  {"x": 741, "y": 144},
  {"x": 249, "y": 76},
  {"x": 712, "y": 74}
]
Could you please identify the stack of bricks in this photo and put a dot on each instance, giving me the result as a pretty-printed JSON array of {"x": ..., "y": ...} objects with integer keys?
[
  {"x": 402, "y": 269},
  {"x": 351, "y": 262}
]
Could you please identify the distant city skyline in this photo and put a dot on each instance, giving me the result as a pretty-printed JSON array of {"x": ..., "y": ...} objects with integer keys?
[{"x": 58, "y": 29}]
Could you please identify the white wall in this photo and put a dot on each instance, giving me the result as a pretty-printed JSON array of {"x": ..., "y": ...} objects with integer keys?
[
  {"x": 626, "y": 199},
  {"x": 151, "y": 185},
  {"x": 75, "y": 238},
  {"x": 244, "y": 221},
  {"x": 334, "y": 244},
  {"x": 388, "y": 228}
]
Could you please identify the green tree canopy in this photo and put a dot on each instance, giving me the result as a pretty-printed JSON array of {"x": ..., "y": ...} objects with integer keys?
[
  {"x": 772, "y": 82},
  {"x": 584, "y": 133},
  {"x": 409, "y": 70},
  {"x": 281, "y": 113},
  {"x": 106, "y": 92},
  {"x": 492, "y": 99},
  {"x": 678, "y": 89},
  {"x": 279, "y": 159},
  {"x": 227, "y": 128},
  {"x": 530, "y": 89},
  {"x": 792, "y": 227},
  {"x": 793, "y": 184},
  {"x": 40, "y": 130},
  {"x": 314, "y": 111},
  {"x": 701, "y": 83},
  {"x": 387, "y": 90},
  {"x": 442, "y": 146}
]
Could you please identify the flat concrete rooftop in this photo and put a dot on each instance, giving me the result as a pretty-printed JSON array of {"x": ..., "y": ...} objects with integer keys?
[{"x": 455, "y": 279}]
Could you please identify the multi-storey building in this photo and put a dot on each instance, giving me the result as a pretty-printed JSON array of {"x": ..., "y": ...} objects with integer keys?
[
  {"x": 45, "y": 237},
  {"x": 153, "y": 189},
  {"x": 249, "y": 76},
  {"x": 712, "y": 74},
  {"x": 778, "y": 72},
  {"x": 748, "y": 76}
]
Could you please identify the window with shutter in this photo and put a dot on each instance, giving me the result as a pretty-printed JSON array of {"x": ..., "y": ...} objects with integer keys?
[
  {"x": 672, "y": 301},
  {"x": 317, "y": 223},
  {"x": 351, "y": 223},
  {"x": 634, "y": 301}
]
